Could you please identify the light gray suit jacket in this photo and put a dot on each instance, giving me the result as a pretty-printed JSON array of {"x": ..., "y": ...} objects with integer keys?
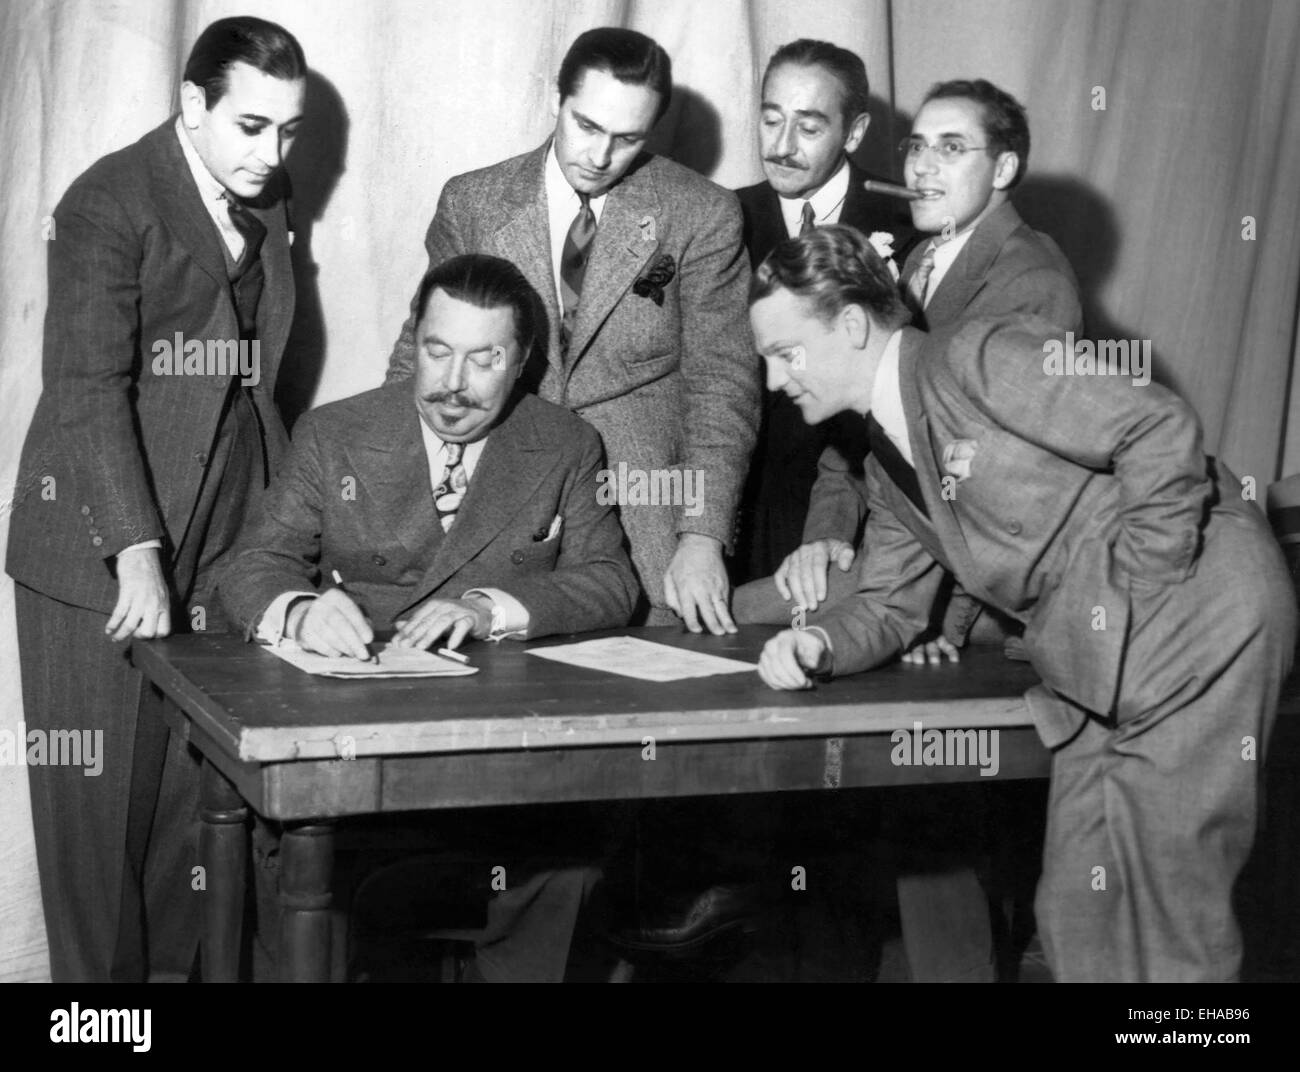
[
  {"x": 385, "y": 538},
  {"x": 668, "y": 386},
  {"x": 1006, "y": 270}
]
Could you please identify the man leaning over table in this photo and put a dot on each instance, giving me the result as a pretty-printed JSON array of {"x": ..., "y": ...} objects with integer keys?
[
  {"x": 1157, "y": 608},
  {"x": 454, "y": 505}
]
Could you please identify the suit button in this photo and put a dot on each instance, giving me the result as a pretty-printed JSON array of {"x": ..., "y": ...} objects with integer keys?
[
  {"x": 201, "y": 457},
  {"x": 379, "y": 560},
  {"x": 1014, "y": 528},
  {"x": 86, "y": 510},
  {"x": 97, "y": 540},
  {"x": 517, "y": 558}
]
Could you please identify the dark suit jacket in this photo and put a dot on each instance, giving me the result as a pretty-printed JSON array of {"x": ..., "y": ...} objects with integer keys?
[
  {"x": 1006, "y": 270},
  {"x": 670, "y": 384},
  {"x": 1079, "y": 488},
  {"x": 784, "y": 468},
  {"x": 386, "y": 540},
  {"x": 116, "y": 455}
]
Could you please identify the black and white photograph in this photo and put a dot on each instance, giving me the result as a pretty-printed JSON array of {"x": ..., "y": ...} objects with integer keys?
[{"x": 678, "y": 492}]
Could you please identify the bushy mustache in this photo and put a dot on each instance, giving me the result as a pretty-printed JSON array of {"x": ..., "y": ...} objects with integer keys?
[{"x": 453, "y": 398}]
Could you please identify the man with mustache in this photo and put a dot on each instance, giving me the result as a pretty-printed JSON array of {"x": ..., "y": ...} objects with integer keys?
[
  {"x": 137, "y": 470},
  {"x": 813, "y": 115},
  {"x": 454, "y": 506},
  {"x": 641, "y": 268}
]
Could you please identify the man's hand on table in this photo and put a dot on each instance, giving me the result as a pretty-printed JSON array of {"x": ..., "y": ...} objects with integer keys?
[
  {"x": 803, "y": 576},
  {"x": 931, "y": 652},
  {"x": 331, "y": 624},
  {"x": 457, "y": 618},
  {"x": 790, "y": 656},
  {"x": 696, "y": 585},
  {"x": 143, "y": 607}
]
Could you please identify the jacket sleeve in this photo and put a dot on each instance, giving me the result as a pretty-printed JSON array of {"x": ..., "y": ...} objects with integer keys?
[
  {"x": 838, "y": 502},
  {"x": 1144, "y": 434},
  {"x": 443, "y": 240},
  {"x": 280, "y": 545},
  {"x": 92, "y": 344},
  {"x": 720, "y": 371},
  {"x": 897, "y": 586}
]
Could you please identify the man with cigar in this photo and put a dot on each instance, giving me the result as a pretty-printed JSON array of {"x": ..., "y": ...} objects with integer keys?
[
  {"x": 137, "y": 469},
  {"x": 453, "y": 506},
  {"x": 641, "y": 268},
  {"x": 1085, "y": 508},
  {"x": 813, "y": 115}
]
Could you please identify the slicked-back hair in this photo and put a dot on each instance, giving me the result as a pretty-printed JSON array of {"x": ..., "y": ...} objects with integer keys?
[
  {"x": 1006, "y": 127},
  {"x": 831, "y": 268},
  {"x": 262, "y": 45},
  {"x": 847, "y": 68},
  {"x": 487, "y": 283},
  {"x": 628, "y": 56}
]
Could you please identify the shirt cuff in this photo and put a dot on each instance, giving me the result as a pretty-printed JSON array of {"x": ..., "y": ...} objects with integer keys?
[
  {"x": 270, "y": 629},
  {"x": 144, "y": 545},
  {"x": 510, "y": 618},
  {"x": 827, "y": 665}
]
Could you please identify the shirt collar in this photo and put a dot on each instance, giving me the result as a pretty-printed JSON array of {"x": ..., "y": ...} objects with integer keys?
[
  {"x": 433, "y": 447},
  {"x": 560, "y": 193},
  {"x": 887, "y": 396},
  {"x": 824, "y": 202},
  {"x": 209, "y": 188},
  {"x": 946, "y": 252}
]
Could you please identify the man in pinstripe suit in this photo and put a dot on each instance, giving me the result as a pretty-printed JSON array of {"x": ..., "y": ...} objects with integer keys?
[{"x": 142, "y": 458}]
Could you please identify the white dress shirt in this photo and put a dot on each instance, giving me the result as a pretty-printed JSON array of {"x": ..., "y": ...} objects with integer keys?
[
  {"x": 509, "y": 616},
  {"x": 562, "y": 204},
  {"x": 887, "y": 398},
  {"x": 827, "y": 203}
]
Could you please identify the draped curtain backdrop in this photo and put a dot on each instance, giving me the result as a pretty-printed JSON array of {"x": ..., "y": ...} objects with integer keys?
[{"x": 1165, "y": 162}]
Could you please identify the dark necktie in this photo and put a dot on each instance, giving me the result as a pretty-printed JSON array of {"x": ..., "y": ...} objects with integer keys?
[
  {"x": 573, "y": 263},
  {"x": 247, "y": 225},
  {"x": 896, "y": 467},
  {"x": 451, "y": 489},
  {"x": 808, "y": 218}
]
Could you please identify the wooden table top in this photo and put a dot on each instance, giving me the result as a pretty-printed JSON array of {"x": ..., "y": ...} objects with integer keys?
[{"x": 257, "y": 708}]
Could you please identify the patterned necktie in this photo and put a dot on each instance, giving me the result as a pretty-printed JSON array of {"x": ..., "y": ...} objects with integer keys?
[
  {"x": 451, "y": 489},
  {"x": 573, "y": 264},
  {"x": 916, "y": 286},
  {"x": 248, "y": 225},
  {"x": 808, "y": 218}
]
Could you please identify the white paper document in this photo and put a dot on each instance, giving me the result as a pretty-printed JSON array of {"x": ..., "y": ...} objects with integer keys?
[
  {"x": 633, "y": 657},
  {"x": 393, "y": 662}
]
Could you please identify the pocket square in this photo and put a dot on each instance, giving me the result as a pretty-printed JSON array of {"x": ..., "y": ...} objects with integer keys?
[
  {"x": 957, "y": 457},
  {"x": 547, "y": 535},
  {"x": 650, "y": 284}
]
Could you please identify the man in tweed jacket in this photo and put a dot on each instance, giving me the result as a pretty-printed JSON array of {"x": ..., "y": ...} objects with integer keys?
[{"x": 656, "y": 354}]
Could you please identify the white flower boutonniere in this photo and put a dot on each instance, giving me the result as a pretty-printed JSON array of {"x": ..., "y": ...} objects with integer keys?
[{"x": 883, "y": 243}]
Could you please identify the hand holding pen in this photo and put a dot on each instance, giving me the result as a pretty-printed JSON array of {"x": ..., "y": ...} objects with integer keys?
[{"x": 332, "y": 624}]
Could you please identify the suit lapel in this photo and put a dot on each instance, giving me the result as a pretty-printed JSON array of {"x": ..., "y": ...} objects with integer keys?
[
  {"x": 950, "y": 536},
  {"x": 968, "y": 272},
  {"x": 394, "y": 471},
  {"x": 623, "y": 246},
  {"x": 524, "y": 238},
  {"x": 275, "y": 312},
  {"x": 769, "y": 224},
  {"x": 515, "y": 461},
  {"x": 180, "y": 204}
]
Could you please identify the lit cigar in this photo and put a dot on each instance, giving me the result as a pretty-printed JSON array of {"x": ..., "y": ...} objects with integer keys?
[{"x": 890, "y": 190}]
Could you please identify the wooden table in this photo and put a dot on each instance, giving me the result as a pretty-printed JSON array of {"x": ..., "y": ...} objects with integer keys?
[{"x": 524, "y": 730}]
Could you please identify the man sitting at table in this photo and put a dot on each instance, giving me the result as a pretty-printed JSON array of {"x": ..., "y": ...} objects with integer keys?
[
  {"x": 1157, "y": 608},
  {"x": 462, "y": 508}
]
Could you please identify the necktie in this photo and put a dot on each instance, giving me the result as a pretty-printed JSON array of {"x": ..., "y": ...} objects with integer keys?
[
  {"x": 921, "y": 279},
  {"x": 808, "y": 218},
  {"x": 451, "y": 489},
  {"x": 248, "y": 225},
  {"x": 573, "y": 263}
]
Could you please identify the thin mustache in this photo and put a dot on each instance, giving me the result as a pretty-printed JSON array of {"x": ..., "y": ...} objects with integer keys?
[
  {"x": 784, "y": 161},
  {"x": 455, "y": 400}
]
